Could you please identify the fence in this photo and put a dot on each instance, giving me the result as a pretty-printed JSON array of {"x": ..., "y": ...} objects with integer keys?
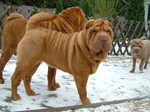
[
  {"x": 124, "y": 30},
  {"x": 26, "y": 11}
]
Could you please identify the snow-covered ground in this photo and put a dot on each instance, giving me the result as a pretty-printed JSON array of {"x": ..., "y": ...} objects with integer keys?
[{"x": 112, "y": 81}]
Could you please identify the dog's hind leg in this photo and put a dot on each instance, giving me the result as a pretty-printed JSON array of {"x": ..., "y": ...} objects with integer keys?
[
  {"x": 23, "y": 71},
  {"x": 141, "y": 64},
  {"x": 27, "y": 63},
  {"x": 5, "y": 56},
  {"x": 27, "y": 80},
  {"x": 145, "y": 66},
  {"x": 81, "y": 82},
  {"x": 15, "y": 80},
  {"x": 52, "y": 84}
]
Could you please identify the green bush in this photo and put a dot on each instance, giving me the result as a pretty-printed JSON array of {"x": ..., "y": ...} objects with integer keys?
[
  {"x": 13, "y": 2},
  {"x": 70, "y": 3},
  {"x": 135, "y": 10},
  {"x": 106, "y": 8},
  {"x": 0, "y": 33},
  {"x": 86, "y": 6},
  {"x": 36, "y": 3},
  {"x": 59, "y": 6},
  {"x": 35, "y": 10}
]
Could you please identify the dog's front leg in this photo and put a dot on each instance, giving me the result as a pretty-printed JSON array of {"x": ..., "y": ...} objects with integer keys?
[
  {"x": 81, "y": 83},
  {"x": 141, "y": 64},
  {"x": 133, "y": 66}
]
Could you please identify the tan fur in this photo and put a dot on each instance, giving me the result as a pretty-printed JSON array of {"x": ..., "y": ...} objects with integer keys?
[
  {"x": 14, "y": 16},
  {"x": 78, "y": 53},
  {"x": 70, "y": 20},
  {"x": 140, "y": 49},
  {"x": 144, "y": 38}
]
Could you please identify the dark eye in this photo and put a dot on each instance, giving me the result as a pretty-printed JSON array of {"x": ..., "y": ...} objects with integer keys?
[
  {"x": 132, "y": 46},
  {"x": 95, "y": 30},
  {"x": 109, "y": 32}
]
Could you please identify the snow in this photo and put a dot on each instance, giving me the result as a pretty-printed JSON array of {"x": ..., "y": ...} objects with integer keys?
[{"x": 112, "y": 81}]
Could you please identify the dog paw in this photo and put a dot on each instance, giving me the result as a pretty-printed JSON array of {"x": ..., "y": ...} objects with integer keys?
[
  {"x": 31, "y": 93},
  {"x": 141, "y": 69},
  {"x": 16, "y": 97},
  {"x": 54, "y": 87},
  {"x": 2, "y": 81},
  {"x": 57, "y": 85},
  {"x": 85, "y": 101},
  {"x": 132, "y": 71}
]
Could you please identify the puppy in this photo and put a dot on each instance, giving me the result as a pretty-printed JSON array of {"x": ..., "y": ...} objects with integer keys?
[
  {"x": 140, "y": 49},
  {"x": 78, "y": 53}
]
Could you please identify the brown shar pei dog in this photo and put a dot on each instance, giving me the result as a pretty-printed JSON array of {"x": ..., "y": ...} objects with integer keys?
[
  {"x": 78, "y": 53},
  {"x": 140, "y": 49},
  {"x": 70, "y": 20}
]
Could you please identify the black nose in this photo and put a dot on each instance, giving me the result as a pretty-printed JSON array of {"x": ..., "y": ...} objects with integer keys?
[{"x": 136, "y": 50}]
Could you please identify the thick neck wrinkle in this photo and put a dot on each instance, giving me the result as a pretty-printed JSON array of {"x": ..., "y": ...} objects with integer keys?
[{"x": 84, "y": 47}]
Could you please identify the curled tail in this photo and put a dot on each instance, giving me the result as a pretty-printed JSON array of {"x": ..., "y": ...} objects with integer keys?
[
  {"x": 39, "y": 17},
  {"x": 14, "y": 16}
]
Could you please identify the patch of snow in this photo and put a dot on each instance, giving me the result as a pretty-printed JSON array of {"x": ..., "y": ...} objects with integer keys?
[{"x": 112, "y": 81}]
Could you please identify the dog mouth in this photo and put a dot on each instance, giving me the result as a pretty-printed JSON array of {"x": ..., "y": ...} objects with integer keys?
[
  {"x": 106, "y": 48},
  {"x": 102, "y": 48},
  {"x": 135, "y": 54},
  {"x": 99, "y": 56},
  {"x": 100, "y": 52}
]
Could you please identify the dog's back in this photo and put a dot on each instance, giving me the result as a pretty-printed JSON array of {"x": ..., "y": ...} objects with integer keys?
[{"x": 146, "y": 44}]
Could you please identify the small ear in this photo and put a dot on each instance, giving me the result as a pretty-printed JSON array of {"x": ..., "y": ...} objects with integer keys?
[
  {"x": 107, "y": 23},
  {"x": 89, "y": 23},
  {"x": 131, "y": 42},
  {"x": 110, "y": 24}
]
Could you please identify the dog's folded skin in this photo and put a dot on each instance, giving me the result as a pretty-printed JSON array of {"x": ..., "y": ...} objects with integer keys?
[
  {"x": 70, "y": 20},
  {"x": 140, "y": 49},
  {"x": 78, "y": 54}
]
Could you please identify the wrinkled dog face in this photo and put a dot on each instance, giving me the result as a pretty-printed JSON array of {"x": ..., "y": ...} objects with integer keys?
[
  {"x": 102, "y": 36},
  {"x": 101, "y": 43},
  {"x": 136, "y": 46}
]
